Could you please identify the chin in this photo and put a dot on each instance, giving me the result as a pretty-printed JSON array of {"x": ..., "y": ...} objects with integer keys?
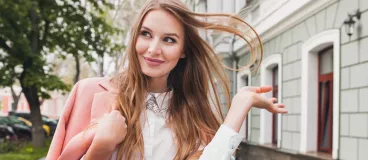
[{"x": 154, "y": 73}]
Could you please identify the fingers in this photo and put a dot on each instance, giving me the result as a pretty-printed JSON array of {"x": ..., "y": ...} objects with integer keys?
[
  {"x": 269, "y": 104},
  {"x": 115, "y": 107},
  {"x": 262, "y": 89},
  {"x": 115, "y": 112},
  {"x": 273, "y": 100},
  {"x": 281, "y": 110},
  {"x": 278, "y": 108},
  {"x": 249, "y": 88},
  {"x": 262, "y": 102}
]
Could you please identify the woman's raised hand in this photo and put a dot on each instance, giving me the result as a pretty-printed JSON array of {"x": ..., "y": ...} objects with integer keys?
[
  {"x": 249, "y": 97},
  {"x": 253, "y": 97},
  {"x": 111, "y": 129}
]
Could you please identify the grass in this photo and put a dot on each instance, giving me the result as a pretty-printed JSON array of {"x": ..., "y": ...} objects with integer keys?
[{"x": 27, "y": 152}]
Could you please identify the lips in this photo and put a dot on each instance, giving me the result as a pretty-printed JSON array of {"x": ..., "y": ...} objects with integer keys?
[{"x": 153, "y": 62}]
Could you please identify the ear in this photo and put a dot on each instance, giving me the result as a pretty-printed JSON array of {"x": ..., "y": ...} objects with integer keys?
[{"x": 182, "y": 55}]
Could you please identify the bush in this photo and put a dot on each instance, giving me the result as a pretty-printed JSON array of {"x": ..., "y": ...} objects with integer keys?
[
  {"x": 11, "y": 146},
  {"x": 24, "y": 151}
]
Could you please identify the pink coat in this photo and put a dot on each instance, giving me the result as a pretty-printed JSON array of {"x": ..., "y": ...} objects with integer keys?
[{"x": 88, "y": 101}]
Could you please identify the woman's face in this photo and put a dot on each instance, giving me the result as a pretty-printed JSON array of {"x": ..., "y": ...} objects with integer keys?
[{"x": 160, "y": 43}]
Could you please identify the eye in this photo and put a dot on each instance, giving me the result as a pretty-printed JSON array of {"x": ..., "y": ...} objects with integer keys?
[
  {"x": 169, "y": 40},
  {"x": 145, "y": 33}
]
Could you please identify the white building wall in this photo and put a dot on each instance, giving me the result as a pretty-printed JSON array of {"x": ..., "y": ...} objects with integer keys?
[
  {"x": 214, "y": 6},
  {"x": 228, "y": 6},
  {"x": 285, "y": 26}
]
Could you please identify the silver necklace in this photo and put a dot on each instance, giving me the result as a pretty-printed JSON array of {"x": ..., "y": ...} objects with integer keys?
[{"x": 152, "y": 105}]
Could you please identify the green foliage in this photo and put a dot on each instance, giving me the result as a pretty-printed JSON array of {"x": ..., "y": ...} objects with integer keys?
[
  {"x": 32, "y": 29},
  {"x": 6, "y": 147},
  {"x": 22, "y": 151}
]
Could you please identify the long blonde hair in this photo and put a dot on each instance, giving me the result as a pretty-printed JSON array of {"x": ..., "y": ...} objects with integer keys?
[{"x": 191, "y": 117}]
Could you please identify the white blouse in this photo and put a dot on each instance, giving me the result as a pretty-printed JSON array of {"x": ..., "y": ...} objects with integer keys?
[{"x": 159, "y": 141}]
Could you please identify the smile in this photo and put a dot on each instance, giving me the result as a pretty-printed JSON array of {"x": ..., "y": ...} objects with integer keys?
[{"x": 153, "y": 62}]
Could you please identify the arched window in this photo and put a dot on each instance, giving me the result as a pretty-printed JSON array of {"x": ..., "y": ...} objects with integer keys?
[
  {"x": 275, "y": 85},
  {"x": 325, "y": 104},
  {"x": 270, "y": 125},
  {"x": 243, "y": 80},
  {"x": 320, "y": 92}
]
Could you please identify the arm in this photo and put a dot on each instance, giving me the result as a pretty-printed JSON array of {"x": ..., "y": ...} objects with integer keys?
[
  {"x": 227, "y": 138},
  {"x": 99, "y": 150},
  {"x": 223, "y": 145},
  {"x": 58, "y": 139},
  {"x": 78, "y": 145}
]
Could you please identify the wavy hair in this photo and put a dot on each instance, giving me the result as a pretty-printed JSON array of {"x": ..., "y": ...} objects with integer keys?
[{"x": 194, "y": 113}]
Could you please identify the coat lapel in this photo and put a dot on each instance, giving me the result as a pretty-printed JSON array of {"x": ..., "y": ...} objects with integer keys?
[{"x": 103, "y": 101}]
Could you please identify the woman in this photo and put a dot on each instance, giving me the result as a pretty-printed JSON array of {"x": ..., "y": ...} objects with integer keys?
[{"x": 160, "y": 106}]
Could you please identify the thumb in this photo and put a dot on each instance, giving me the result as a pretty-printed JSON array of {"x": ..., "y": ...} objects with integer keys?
[
  {"x": 115, "y": 107},
  {"x": 261, "y": 89},
  {"x": 264, "y": 89}
]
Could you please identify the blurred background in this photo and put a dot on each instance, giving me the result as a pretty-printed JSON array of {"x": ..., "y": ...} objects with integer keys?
[{"x": 315, "y": 57}]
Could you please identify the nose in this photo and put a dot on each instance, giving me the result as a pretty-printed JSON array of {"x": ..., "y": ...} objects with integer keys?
[{"x": 154, "y": 47}]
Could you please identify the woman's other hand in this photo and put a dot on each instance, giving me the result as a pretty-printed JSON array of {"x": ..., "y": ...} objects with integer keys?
[{"x": 111, "y": 129}]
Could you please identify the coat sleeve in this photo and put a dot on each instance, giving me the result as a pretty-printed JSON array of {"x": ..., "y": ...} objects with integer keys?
[{"x": 60, "y": 132}]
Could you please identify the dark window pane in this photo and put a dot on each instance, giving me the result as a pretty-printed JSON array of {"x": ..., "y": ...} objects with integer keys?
[
  {"x": 275, "y": 122},
  {"x": 326, "y": 61},
  {"x": 245, "y": 80},
  {"x": 324, "y": 114},
  {"x": 326, "y": 117},
  {"x": 276, "y": 75}
]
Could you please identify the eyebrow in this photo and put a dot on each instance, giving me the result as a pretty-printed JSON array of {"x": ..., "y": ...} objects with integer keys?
[{"x": 169, "y": 34}]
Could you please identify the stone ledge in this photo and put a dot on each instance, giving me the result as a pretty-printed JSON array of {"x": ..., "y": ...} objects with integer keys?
[{"x": 267, "y": 152}]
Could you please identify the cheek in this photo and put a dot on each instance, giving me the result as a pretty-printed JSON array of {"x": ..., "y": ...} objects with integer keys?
[
  {"x": 173, "y": 53},
  {"x": 141, "y": 46}
]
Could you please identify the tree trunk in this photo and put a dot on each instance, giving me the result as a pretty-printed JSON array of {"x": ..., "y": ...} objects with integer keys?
[
  {"x": 15, "y": 99},
  {"x": 77, "y": 68},
  {"x": 38, "y": 135},
  {"x": 31, "y": 92},
  {"x": 101, "y": 71}
]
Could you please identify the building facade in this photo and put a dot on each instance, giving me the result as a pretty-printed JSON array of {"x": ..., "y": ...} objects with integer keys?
[{"x": 317, "y": 70}]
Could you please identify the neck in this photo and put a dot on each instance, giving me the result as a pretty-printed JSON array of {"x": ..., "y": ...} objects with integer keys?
[{"x": 157, "y": 85}]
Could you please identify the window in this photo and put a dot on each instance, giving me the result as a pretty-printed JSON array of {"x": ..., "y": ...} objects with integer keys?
[
  {"x": 275, "y": 72},
  {"x": 244, "y": 79},
  {"x": 311, "y": 93},
  {"x": 325, "y": 100},
  {"x": 270, "y": 127}
]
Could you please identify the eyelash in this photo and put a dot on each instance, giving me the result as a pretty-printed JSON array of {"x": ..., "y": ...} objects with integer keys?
[
  {"x": 172, "y": 39},
  {"x": 144, "y": 33}
]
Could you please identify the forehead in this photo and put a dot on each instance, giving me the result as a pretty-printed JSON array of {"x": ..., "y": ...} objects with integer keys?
[{"x": 163, "y": 22}]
